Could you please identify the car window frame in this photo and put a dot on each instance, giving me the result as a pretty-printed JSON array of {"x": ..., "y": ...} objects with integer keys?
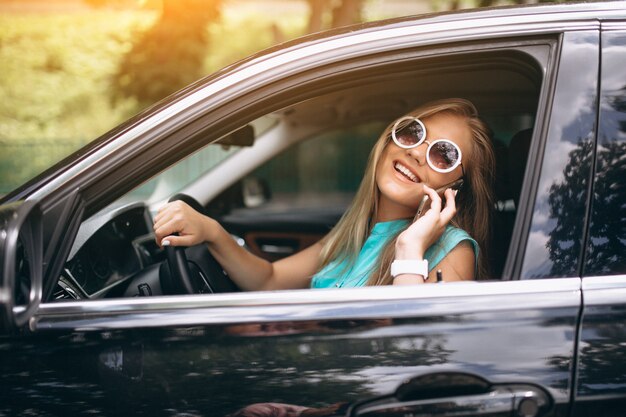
[{"x": 156, "y": 149}]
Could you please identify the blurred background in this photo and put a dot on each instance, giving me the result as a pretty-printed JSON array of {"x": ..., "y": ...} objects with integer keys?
[{"x": 70, "y": 70}]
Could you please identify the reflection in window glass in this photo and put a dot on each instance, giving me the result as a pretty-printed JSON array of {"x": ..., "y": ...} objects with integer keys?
[
  {"x": 606, "y": 248},
  {"x": 557, "y": 229}
]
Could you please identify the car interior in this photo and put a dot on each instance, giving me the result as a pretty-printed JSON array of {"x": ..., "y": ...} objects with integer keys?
[{"x": 281, "y": 181}]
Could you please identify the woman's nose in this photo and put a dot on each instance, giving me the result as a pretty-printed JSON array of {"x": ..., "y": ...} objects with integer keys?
[{"x": 419, "y": 153}]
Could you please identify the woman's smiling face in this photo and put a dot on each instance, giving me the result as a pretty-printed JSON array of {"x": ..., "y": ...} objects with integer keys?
[{"x": 401, "y": 173}]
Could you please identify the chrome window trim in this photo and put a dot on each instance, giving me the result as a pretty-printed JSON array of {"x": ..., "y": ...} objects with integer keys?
[
  {"x": 613, "y": 25},
  {"x": 439, "y": 29},
  {"x": 303, "y": 305},
  {"x": 604, "y": 290}
]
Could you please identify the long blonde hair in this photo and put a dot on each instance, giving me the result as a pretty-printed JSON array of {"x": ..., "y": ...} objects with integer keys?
[{"x": 474, "y": 201}]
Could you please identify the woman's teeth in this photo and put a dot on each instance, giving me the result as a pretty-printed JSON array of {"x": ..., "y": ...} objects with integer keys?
[{"x": 404, "y": 170}]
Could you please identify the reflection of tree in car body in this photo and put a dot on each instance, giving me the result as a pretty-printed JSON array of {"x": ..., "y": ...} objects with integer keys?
[
  {"x": 607, "y": 236},
  {"x": 567, "y": 205},
  {"x": 414, "y": 348},
  {"x": 312, "y": 368},
  {"x": 602, "y": 346},
  {"x": 607, "y": 232},
  {"x": 602, "y": 349},
  {"x": 607, "y": 245}
]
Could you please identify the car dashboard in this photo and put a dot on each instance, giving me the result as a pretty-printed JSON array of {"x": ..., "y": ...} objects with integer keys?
[{"x": 109, "y": 249}]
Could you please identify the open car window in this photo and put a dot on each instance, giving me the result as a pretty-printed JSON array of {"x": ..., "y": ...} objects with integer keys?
[
  {"x": 192, "y": 168},
  {"x": 289, "y": 187}
]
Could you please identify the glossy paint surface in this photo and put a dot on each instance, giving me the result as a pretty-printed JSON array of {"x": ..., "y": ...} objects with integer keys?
[
  {"x": 506, "y": 332},
  {"x": 602, "y": 364},
  {"x": 601, "y": 387}
]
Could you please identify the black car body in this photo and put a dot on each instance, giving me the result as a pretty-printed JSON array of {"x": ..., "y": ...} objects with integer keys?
[{"x": 90, "y": 328}]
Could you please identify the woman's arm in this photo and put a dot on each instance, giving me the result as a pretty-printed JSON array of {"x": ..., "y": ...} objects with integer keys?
[
  {"x": 247, "y": 270},
  {"x": 457, "y": 265}
]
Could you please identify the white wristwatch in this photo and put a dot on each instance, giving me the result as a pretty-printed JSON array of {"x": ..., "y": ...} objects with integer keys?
[{"x": 409, "y": 266}]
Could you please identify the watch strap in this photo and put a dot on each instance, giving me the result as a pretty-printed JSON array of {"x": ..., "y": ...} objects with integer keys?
[{"x": 409, "y": 266}]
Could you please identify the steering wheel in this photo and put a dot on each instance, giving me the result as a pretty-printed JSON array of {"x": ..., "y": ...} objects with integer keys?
[{"x": 200, "y": 274}]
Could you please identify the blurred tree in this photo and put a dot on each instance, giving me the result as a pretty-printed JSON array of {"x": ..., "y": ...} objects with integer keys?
[
  {"x": 458, "y": 4},
  {"x": 170, "y": 54},
  {"x": 347, "y": 12},
  {"x": 316, "y": 15},
  {"x": 343, "y": 12}
]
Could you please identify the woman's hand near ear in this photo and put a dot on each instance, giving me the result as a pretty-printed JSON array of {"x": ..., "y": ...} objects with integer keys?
[
  {"x": 419, "y": 236},
  {"x": 457, "y": 265}
]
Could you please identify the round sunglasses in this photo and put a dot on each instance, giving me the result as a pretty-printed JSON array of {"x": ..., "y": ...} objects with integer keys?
[{"x": 442, "y": 155}]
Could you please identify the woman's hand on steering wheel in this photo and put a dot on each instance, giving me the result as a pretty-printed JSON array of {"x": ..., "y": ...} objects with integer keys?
[
  {"x": 177, "y": 224},
  {"x": 180, "y": 227}
]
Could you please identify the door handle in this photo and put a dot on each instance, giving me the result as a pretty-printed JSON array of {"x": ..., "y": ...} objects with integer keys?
[{"x": 457, "y": 394}]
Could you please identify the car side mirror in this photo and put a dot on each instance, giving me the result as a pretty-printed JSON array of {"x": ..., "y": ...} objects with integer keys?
[{"x": 21, "y": 263}]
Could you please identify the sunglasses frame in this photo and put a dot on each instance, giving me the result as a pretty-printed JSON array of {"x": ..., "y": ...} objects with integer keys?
[
  {"x": 445, "y": 170},
  {"x": 430, "y": 144},
  {"x": 395, "y": 127}
]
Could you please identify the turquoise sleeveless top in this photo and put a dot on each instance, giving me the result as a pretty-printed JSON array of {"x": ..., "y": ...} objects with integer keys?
[{"x": 343, "y": 275}]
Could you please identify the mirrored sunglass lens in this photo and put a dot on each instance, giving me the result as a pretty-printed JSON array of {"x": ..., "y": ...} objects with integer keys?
[
  {"x": 409, "y": 133},
  {"x": 443, "y": 155}
]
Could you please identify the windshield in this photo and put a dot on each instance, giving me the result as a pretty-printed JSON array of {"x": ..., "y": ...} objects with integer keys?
[{"x": 178, "y": 176}]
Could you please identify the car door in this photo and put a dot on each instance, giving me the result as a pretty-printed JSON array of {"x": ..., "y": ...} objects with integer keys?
[
  {"x": 601, "y": 384},
  {"x": 472, "y": 348}
]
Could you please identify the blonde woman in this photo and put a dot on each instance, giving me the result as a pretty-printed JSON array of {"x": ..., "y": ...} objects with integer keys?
[{"x": 381, "y": 239}]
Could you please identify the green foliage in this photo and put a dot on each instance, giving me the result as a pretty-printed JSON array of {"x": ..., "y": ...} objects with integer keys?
[
  {"x": 170, "y": 54},
  {"x": 55, "y": 85},
  {"x": 57, "y": 72},
  {"x": 246, "y": 33}
]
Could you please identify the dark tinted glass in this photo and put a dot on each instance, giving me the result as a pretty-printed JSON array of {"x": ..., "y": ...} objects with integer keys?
[
  {"x": 443, "y": 155},
  {"x": 409, "y": 132},
  {"x": 606, "y": 248},
  {"x": 558, "y": 220}
]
